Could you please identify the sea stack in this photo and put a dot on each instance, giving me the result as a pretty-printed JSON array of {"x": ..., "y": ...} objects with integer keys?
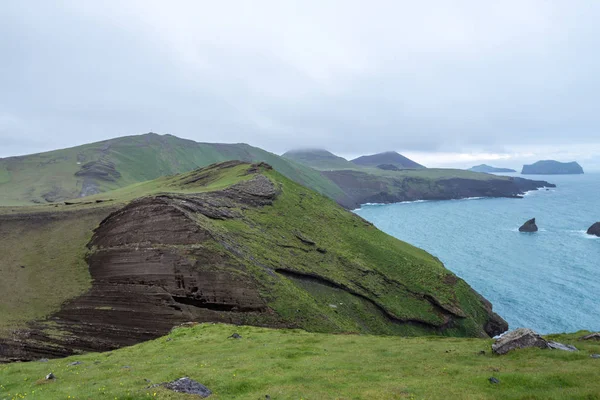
[
  {"x": 529, "y": 226},
  {"x": 594, "y": 229}
]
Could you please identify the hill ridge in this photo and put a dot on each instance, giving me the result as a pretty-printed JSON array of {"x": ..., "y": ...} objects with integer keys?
[{"x": 239, "y": 242}]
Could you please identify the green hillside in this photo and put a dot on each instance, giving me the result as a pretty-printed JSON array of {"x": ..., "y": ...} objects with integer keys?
[
  {"x": 319, "y": 159},
  {"x": 292, "y": 364},
  {"x": 111, "y": 164},
  {"x": 232, "y": 242},
  {"x": 387, "y": 158},
  {"x": 119, "y": 163}
]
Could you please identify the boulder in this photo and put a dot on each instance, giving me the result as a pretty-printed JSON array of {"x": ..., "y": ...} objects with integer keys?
[
  {"x": 518, "y": 339},
  {"x": 529, "y": 226},
  {"x": 591, "y": 336},
  {"x": 188, "y": 386},
  {"x": 594, "y": 229},
  {"x": 560, "y": 346}
]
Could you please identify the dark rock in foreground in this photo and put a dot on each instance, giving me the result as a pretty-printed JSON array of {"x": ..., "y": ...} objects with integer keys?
[
  {"x": 188, "y": 386},
  {"x": 551, "y": 167},
  {"x": 594, "y": 229},
  {"x": 529, "y": 226},
  {"x": 518, "y": 339},
  {"x": 523, "y": 338}
]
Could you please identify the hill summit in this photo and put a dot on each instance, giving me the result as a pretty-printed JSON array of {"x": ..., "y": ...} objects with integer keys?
[
  {"x": 387, "y": 158},
  {"x": 318, "y": 159}
]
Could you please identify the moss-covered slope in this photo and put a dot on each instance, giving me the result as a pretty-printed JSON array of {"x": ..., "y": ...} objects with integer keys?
[
  {"x": 240, "y": 243},
  {"x": 116, "y": 163}
]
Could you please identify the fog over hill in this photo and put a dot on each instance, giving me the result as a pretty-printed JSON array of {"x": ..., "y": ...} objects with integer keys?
[{"x": 455, "y": 86}]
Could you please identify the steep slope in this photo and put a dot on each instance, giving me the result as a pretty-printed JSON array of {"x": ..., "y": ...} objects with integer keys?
[
  {"x": 489, "y": 169},
  {"x": 111, "y": 164},
  {"x": 551, "y": 167},
  {"x": 241, "y": 243},
  {"x": 319, "y": 159},
  {"x": 387, "y": 158}
]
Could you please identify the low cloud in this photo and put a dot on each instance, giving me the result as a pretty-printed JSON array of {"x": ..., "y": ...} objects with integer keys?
[{"x": 433, "y": 78}]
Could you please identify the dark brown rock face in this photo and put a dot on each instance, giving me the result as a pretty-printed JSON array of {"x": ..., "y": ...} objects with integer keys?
[
  {"x": 594, "y": 229},
  {"x": 153, "y": 267},
  {"x": 529, "y": 226}
]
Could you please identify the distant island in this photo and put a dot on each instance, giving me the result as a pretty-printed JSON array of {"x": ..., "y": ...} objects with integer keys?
[
  {"x": 489, "y": 169},
  {"x": 388, "y": 158},
  {"x": 551, "y": 167}
]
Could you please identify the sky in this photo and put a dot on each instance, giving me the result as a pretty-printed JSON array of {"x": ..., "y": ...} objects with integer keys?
[{"x": 448, "y": 83}]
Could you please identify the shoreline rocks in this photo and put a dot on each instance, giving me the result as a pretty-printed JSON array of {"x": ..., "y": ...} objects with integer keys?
[
  {"x": 594, "y": 229},
  {"x": 529, "y": 226}
]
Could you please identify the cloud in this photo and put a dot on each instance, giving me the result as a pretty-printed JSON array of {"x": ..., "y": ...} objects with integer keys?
[{"x": 464, "y": 77}]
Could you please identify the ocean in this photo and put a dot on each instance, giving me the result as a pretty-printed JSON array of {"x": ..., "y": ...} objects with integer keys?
[{"x": 548, "y": 281}]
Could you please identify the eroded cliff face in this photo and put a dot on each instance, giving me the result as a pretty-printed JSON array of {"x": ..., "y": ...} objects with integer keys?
[
  {"x": 231, "y": 256},
  {"x": 364, "y": 188}
]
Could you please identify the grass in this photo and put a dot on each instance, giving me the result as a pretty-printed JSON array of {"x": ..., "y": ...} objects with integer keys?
[
  {"x": 293, "y": 364},
  {"x": 31, "y": 179},
  {"x": 387, "y": 273},
  {"x": 42, "y": 263}
]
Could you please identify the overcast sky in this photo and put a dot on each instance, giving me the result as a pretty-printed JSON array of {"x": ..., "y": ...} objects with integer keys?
[{"x": 446, "y": 82}]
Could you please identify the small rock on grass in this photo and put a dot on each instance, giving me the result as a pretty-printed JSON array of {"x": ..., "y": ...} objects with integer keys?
[
  {"x": 75, "y": 363},
  {"x": 595, "y": 356},
  {"x": 50, "y": 376},
  {"x": 591, "y": 336},
  {"x": 494, "y": 380},
  {"x": 560, "y": 346},
  {"x": 188, "y": 386},
  {"x": 235, "y": 336}
]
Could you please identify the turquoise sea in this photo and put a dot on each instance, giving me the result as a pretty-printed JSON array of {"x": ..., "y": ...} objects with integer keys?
[{"x": 548, "y": 281}]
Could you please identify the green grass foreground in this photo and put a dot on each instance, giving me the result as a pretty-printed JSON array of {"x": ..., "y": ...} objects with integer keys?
[{"x": 293, "y": 364}]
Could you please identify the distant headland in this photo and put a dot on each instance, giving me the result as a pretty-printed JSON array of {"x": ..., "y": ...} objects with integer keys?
[
  {"x": 489, "y": 169},
  {"x": 551, "y": 167}
]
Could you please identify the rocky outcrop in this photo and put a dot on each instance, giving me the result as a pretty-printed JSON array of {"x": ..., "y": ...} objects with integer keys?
[
  {"x": 518, "y": 339},
  {"x": 154, "y": 267},
  {"x": 551, "y": 167},
  {"x": 263, "y": 251},
  {"x": 591, "y": 336},
  {"x": 594, "y": 229},
  {"x": 529, "y": 226},
  {"x": 523, "y": 338}
]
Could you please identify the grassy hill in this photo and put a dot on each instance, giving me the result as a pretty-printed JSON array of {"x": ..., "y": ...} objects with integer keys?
[
  {"x": 387, "y": 158},
  {"x": 123, "y": 162},
  {"x": 232, "y": 242},
  {"x": 319, "y": 159},
  {"x": 293, "y": 364},
  {"x": 111, "y": 164}
]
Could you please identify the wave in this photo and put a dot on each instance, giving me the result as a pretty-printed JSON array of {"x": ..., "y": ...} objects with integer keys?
[
  {"x": 472, "y": 198},
  {"x": 584, "y": 234}
]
